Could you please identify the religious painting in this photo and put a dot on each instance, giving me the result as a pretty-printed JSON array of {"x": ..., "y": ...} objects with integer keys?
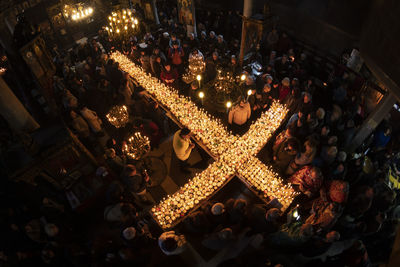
[
  {"x": 38, "y": 59},
  {"x": 148, "y": 11},
  {"x": 186, "y": 12},
  {"x": 253, "y": 35},
  {"x": 25, "y": 5},
  {"x": 33, "y": 63}
]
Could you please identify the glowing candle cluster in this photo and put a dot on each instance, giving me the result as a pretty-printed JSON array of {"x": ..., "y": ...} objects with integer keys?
[
  {"x": 77, "y": 12},
  {"x": 238, "y": 159},
  {"x": 205, "y": 128},
  {"x": 121, "y": 21},
  {"x": 118, "y": 116},
  {"x": 267, "y": 181},
  {"x": 137, "y": 146},
  {"x": 256, "y": 137},
  {"x": 262, "y": 129},
  {"x": 235, "y": 155},
  {"x": 225, "y": 81},
  {"x": 196, "y": 67},
  {"x": 195, "y": 190}
]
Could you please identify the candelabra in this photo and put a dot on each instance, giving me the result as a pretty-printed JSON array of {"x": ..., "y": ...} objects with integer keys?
[
  {"x": 118, "y": 116},
  {"x": 121, "y": 23},
  {"x": 136, "y": 146},
  {"x": 77, "y": 12},
  {"x": 196, "y": 67}
]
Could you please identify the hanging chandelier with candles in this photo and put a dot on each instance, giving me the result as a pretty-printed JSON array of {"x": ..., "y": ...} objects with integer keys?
[
  {"x": 77, "y": 12},
  {"x": 118, "y": 116},
  {"x": 136, "y": 146},
  {"x": 121, "y": 22}
]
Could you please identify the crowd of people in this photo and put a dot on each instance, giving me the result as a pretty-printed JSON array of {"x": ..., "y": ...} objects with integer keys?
[{"x": 343, "y": 215}]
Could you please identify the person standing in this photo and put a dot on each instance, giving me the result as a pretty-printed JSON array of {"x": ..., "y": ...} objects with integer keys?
[
  {"x": 176, "y": 54},
  {"x": 136, "y": 183},
  {"x": 92, "y": 119},
  {"x": 182, "y": 148},
  {"x": 239, "y": 115},
  {"x": 172, "y": 244},
  {"x": 169, "y": 75}
]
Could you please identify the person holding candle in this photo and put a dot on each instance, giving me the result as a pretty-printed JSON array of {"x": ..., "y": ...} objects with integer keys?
[
  {"x": 169, "y": 75},
  {"x": 183, "y": 147},
  {"x": 285, "y": 153},
  {"x": 194, "y": 93}
]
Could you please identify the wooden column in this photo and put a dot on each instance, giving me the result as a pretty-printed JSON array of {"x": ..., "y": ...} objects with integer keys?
[
  {"x": 247, "y": 11},
  {"x": 155, "y": 12},
  {"x": 14, "y": 112}
]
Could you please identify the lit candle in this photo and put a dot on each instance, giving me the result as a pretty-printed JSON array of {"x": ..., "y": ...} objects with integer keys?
[
  {"x": 228, "y": 106},
  {"x": 198, "y": 78},
  {"x": 201, "y": 95},
  {"x": 248, "y": 94}
]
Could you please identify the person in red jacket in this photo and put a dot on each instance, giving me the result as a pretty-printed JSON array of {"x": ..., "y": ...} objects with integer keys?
[
  {"x": 175, "y": 53},
  {"x": 169, "y": 75},
  {"x": 284, "y": 89}
]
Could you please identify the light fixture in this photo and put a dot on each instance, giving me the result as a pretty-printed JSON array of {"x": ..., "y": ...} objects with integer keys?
[
  {"x": 78, "y": 12},
  {"x": 249, "y": 92},
  {"x": 137, "y": 146},
  {"x": 121, "y": 22},
  {"x": 201, "y": 94},
  {"x": 118, "y": 116},
  {"x": 243, "y": 77},
  {"x": 228, "y": 104},
  {"x": 198, "y": 77}
]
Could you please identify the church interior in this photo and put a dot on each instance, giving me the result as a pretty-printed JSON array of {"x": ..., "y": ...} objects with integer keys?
[{"x": 199, "y": 133}]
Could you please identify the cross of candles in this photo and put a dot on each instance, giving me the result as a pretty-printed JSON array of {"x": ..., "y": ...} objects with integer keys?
[{"x": 234, "y": 155}]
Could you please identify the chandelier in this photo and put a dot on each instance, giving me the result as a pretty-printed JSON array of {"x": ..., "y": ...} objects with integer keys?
[
  {"x": 77, "y": 12},
  {"x": 121, "y": 22},
  {"x": 118, "y": 116},
  {"x": 225, "y": 81},
  {"x": 196, "y": 67},
  {"x": 136, "y": 146}
]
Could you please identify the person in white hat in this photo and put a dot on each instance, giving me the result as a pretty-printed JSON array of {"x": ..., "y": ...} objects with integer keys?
[
  {"x": 129, "y": 233},
  {"x": 217, "y": 214},
  {"x": 51, "y": 230}
]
